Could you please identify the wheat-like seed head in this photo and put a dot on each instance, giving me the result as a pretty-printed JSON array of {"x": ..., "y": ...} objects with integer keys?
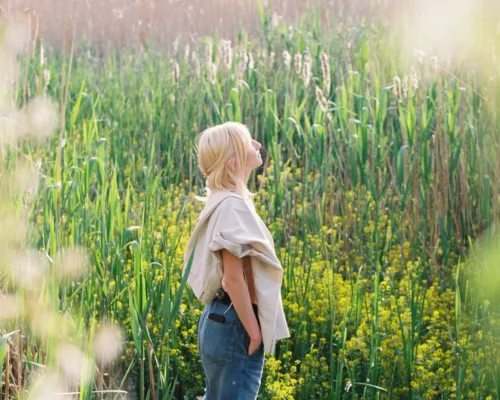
[
  {"x": 420, "y": 55},
  {"x": 176, "y": 72},
  {"x": 271, "y": 57},
  {"x": 275, "y": 20},
  {"x": 46, "y": 78},
  {"x": 208, "y": 53},
  {"x": 325, "y": 69},
  {"x": 212, "y": 73},
  {"x": 414, "y": 78},
  {"x": 297, "y": 62},
  {"x": 227, "y": 53},
  {"x": 42, "y": 55},
  {"x": 251, "y": 62},
  {"x": 434, "y": 63},
  {"x": 396, "y": 88},
  {"x": 241, "y": 67},
  {"x": 306, "y": 69},
  {"x": 196, "y": 63},
  {"x": 287, "y": 59},
  {"x": 175, "y": 45},
  {"x": 323, "y": 103},
  {"x": 242, "y": 64}
]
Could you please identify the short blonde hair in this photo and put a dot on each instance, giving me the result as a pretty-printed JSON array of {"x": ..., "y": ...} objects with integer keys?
[{"x": 215, "y": 146}]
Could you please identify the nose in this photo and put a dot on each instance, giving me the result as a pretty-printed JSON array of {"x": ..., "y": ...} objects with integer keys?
[{"x": 258, "y": 145}]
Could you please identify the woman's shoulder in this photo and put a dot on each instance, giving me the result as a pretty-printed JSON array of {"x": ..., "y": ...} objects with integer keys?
[
  {"x": 235, "y": 199},
  {"x": 232, "y": 204}
]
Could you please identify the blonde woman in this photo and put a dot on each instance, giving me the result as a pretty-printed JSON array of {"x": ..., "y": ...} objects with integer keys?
[{"x": 234, "y": 268}]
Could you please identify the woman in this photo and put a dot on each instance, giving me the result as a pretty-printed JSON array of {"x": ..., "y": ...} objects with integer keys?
[{"x": 234, "y": 268}]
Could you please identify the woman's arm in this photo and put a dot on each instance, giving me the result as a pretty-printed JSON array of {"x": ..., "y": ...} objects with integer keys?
[{"x": 237, "y": 288}]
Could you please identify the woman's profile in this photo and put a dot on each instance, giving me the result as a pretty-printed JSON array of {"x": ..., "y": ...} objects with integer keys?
[{"x": 234, "y": 268}]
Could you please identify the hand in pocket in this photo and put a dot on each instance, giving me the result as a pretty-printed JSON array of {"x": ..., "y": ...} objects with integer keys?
[{"x": 254, "y": 344}]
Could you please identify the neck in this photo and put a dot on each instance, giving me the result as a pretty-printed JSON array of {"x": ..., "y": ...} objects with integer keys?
[
  {"x": 238, "y": 191},
  {"x": 241, "y": 186}
]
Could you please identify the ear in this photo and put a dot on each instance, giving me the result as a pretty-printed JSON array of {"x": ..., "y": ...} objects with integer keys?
[{"x": 230, "y": 163}]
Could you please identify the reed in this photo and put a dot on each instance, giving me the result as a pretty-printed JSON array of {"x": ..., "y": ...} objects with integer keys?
[{"x": 374, "y": 186}]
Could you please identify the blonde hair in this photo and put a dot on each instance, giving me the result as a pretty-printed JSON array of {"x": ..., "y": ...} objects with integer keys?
[{"x": 215, "y": 146}]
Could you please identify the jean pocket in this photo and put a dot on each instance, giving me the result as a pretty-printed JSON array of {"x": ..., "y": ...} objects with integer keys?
[
  {"x": 218, "y": 342},
  {"x": 258, "y": 352}
]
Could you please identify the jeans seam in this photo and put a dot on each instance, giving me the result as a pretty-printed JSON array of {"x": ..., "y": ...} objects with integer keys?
[
  {"x": 241, "y": 379},
  {"x": 202, "y": 320}
]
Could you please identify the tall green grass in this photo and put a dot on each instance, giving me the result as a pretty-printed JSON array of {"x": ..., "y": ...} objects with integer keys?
[{"x": 372, "y": 203}]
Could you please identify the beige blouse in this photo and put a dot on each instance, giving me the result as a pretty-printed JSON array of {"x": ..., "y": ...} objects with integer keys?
[{"x": 229, "y": 221}]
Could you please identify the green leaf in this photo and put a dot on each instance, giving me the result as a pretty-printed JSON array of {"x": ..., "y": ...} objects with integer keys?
[
  {"x": 485, "y": 199},
  {"x": 134, "y": 324}
]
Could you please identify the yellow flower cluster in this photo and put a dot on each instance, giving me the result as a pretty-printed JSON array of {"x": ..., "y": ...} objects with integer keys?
[
  {"x": 356, "y": 296},
  {"x": 281, "y": 383}
]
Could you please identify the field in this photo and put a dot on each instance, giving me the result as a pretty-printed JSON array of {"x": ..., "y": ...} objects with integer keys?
[{"x": 380, "y": 143}]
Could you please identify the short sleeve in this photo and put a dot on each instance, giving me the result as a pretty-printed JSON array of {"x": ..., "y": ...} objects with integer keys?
[{"x": 237, "y": 230}]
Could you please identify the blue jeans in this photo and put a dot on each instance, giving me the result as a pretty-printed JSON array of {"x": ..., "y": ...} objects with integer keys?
[{"x": 230, "y": 373}]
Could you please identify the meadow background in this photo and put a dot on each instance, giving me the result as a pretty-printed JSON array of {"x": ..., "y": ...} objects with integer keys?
[{"x": 379, "y": 129}]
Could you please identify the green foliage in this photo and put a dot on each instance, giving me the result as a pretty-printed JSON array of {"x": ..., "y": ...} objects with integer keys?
[{"x": 372, "y": 202}]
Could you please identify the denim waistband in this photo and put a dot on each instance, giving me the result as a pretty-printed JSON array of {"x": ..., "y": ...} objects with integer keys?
[{"x": 255, "y": 307}]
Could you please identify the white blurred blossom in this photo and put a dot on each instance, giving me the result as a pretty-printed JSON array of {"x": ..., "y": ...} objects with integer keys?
[
  {"x": 41, "y": 117},
  {"x": 49, "y": 387},
  {"x": 108, "y": 343},
  {"x": 27, "y": 268},
  {"x": 72, "y": 362},
  {"x": 71, "y": 261},
  {"x": 9, "y": 306},
  {"x": 16, "y": 35}
]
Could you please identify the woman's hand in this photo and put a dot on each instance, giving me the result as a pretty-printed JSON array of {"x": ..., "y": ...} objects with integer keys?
[
  {"x": 236, "y": 286},
  {"x": 254, "y": 343}
]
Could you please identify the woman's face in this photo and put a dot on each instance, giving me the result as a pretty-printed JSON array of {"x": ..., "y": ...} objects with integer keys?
[{"x": 254, "y": 158}]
